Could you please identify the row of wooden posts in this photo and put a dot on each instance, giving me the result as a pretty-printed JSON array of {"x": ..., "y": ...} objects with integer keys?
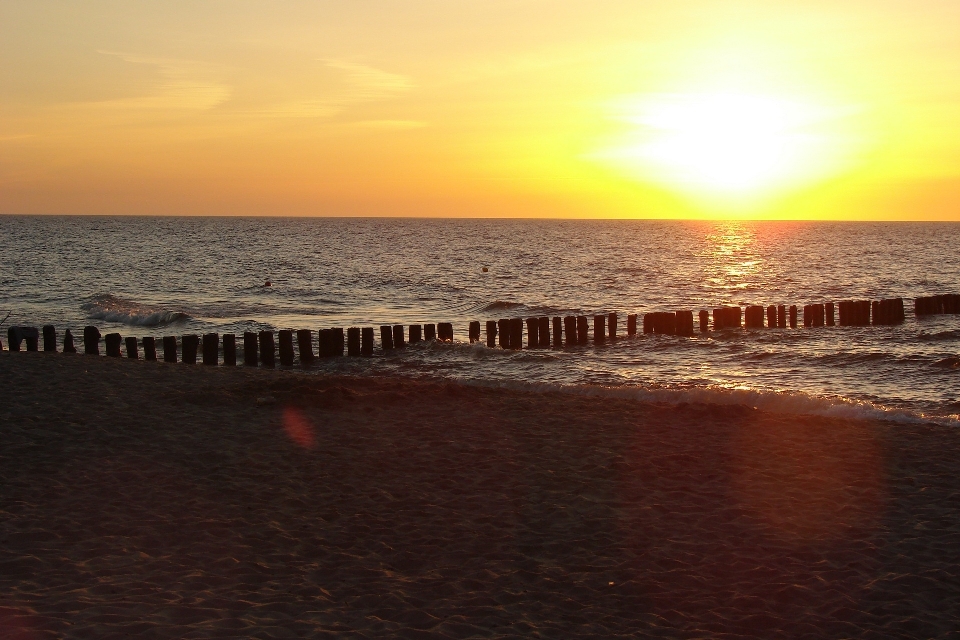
[{"x": 508, "y": 333}]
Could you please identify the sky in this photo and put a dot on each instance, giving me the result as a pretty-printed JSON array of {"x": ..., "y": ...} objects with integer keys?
[{"x": 602, "y": 109}]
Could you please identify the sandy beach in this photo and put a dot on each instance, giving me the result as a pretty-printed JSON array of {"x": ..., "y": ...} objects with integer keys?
[{"x": 144, "y": 500}]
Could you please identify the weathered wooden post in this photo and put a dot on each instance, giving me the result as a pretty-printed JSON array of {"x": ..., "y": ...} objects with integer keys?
[
  {"x": 416, "y": 332},
  {"x": 877, "y": 319},
  {"x": 648, "y": 319},
  {"x": 491, "y": 333},
  {"x": 557, "y": 332},
  {"x": 286, "y": 347},
  {"x": 398, "y": 341},
  {"x": 717, "y": 319},
  {"x": 353, "y": 342},
  {"x": 229, "y": 350},
  {"x": 249, "y": 349},
  {"x": 386, "y": 337},
  {"x": 366, "y": 342},
  {"x": 503, "y": 326},
  {"x": 474, "y": 332},
  {"x": 445, "y": 331},
  {"x": 113, "y": 342},
  {"x": 430, "y": 331},
  {"x": 131, "y": 344},
  {"x": 267, "y": 349},
  {"x": 170, "y": 349},
  {"x": 612, "y": 325},
  {"x": 704, "y": 321},
  {"x": 325, "y": 342},
  {"x": 305, "y": 346},
  {"x": 516, "y": 333},
  {"x": 338, "y": 341},
  {"x": 150, "y": 349},
  {"x": 68, "y": 346},
  {"x": 583, "y": 328},
  {"x": 599, "y": 329},
  {"x": 632, "y": 323},
  {"x": 684, "y": 323},
  {"x": 570, "y": 328},
  {"x": 771, "y": 316},
  {"x": 543, "y": 332},
  {"x": 211, "y": 349},
  {"x": 190, "y": 344},
  {"x": 781, "y": 316},
  {"x": 818, "y": 312},
  {"x": 828, "y": 309},
  {"x": 807, "y": 316},
  {"x": 670, "y": 323},
  {"x": 793, "y": 316},
  {"x": 49, "y": 338},
  {"x": 91, "y": 341},
  {"x": 533, "y": 333},
  {"x": 753, "y": 317}
]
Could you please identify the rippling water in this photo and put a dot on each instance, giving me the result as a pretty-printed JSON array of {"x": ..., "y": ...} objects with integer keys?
[{"x": 165, "y": 276}]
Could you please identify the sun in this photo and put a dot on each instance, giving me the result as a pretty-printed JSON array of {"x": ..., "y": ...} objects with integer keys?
[{"x": 725, "y": 144}]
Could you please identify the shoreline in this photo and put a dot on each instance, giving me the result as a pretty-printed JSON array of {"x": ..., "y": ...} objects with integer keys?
[{"x": 178, "y": 501}]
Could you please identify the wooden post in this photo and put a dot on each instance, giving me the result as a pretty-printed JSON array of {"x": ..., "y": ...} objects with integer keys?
[
  {"x": 516, "y": 333},
  {"x": 807, "y": 316},
  {"x": 684, "y": 323},
  {"x": 632, "y": 323},
  {"x": 113, "y": 342},
  {"x": 771, "y": 316},
  {"x": 398, "y": 341},
  {"x": 229, "y": 350},
  {"x": 338, "y": 342},
  {"x": 570, "y": 328},
  {"x": 503, "y": 325},
  {"x": 150, "y": 348},
  {"x": 170, "y": 349},
  {"x": 49, "y": 338},
  {"x": 875, "y": 305},
  {"x": 543, "y": 332},
  {"x": 818, "y": 310},
  {"x": 366, "y": 342},
  {"x": 670, "y": 323},
  {"x": 648, "y": 322},
  {"x": 793, "y": 316},
  {"x": 249, "y": 349},
  {"x": 91, "y": 341},
  {"x": 416, "y": 333},
  {"x": 131, "y": 344},
  {"x": 828, "y": 309},
  {"x": 305, "y": 346},
  {"x": 286, "y": 347},
  {"x": 583, "y": 328},
  {"x": 491, "y": 333},
  {"x": 612, "y": 325},
  {"x": 386, "y": 337},
  {"x": 353, "y": 342},
  {"x": 474, "y": 332},
  {"x": 781, "y": 316},
  {"x": 753, "y": 317},
  {"x": 68, "y": 346},
  {"x": 190, "y": 344},
  {"x": 267, "y": 349},
  {"x": 599, "y": 329},
  {"x": 704, "y": 321},
  {"x": 718, "y": 319},
  {"x": 325, "y": 342},
  {"x": 445, "y": 331},
  {"x": 430, "y": 331},
  {"x": 533, "y": 333},
  {"x": 211, "y": 349},
  {"x": 557, "y": 332}
]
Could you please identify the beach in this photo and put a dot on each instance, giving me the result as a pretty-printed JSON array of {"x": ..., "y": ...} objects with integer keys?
[{"x": 149, "y": 500}]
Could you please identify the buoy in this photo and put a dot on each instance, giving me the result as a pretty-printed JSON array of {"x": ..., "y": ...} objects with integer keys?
[
  {"x": 267, "y": 284},
  {"x": 484, "y": 269}
]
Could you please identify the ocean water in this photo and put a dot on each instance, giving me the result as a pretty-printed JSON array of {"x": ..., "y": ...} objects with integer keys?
[{"x": 172, "y": 276}]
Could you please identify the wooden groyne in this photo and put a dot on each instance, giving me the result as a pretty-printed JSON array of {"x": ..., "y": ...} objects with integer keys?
[{"x": 542, "y": 332}]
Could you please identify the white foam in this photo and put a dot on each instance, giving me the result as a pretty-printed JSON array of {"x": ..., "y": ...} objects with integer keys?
[{"x": 114, "y": 309}]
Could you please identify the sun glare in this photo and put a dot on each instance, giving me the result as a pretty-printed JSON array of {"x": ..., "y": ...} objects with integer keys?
[{"x": 726, "y": 145}]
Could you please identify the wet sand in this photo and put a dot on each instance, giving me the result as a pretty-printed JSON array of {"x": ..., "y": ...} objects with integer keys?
[{"x": 144, "y": 500}]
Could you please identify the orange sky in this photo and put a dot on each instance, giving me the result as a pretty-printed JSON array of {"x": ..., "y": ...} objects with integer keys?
[{"x": 544, "y": 109}]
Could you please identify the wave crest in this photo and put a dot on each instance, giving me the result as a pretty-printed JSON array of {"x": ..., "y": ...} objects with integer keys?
[{"x": 115, "y": 309}]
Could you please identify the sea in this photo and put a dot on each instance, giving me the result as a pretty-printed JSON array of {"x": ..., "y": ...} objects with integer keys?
[{"x": 157, "y": 276}]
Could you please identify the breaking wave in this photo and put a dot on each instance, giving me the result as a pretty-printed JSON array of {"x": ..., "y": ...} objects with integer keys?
[{"x": 115, "y": 309}]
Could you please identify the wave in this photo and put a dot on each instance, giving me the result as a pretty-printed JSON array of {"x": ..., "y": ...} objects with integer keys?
[
  {"x": 952, "y": 362},
  {"x": 939, "y": 335},
  {"x": 115, "y": 309},
  {"x": 501, "y": 305}
]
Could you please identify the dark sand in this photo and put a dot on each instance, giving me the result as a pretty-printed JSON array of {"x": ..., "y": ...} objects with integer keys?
[{"x": 143, "y": 500}]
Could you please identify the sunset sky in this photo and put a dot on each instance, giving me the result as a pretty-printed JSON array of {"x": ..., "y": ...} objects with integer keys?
[{"x": 839, "y": 110}]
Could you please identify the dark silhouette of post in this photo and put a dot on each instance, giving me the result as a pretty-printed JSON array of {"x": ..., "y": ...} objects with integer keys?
[
  {"x": 445, "y": 331},
  {"x": 131, "y": 344},
  {"x": 771, "y": 317},
  {"x": 570, "y": 328},
  {"x": 612, "y": 325},
  {"x": 91, "y": 341},
  {"x": 557, "y": 332},
  {"x": 68, "y": 346},
  {"x": 366, "y": 342},
  {"x": 793, "y": 316},
  {"x": 704, "y": 321},
  {"x": 583, "y": 329},
  {"x": 190, "y": 344},
  {"x": 170, "y": 349},
  {"x": 353, "y": 342},
  {"x": 305, "y": 346},
  {"x": 684, "y": 323},
  {"x": 828, "y": 309},
  {"x": 229, "y": 350},
  {"x": 503, "y": 326},
  {"x": 430, "y": 331},
  {"x": 632, "y": 323},
  {"x": 49, "y": 338},
  {"x": 474, "y": 332},
  {"x": 386, "y": 337},
  {"x": 533, "y": 333},
  {"x": 781, "y": 316},
  {"x": 398, "y": 341},
  {"x": 543, "y": 332},
  {"x": 286, "y": 347},
  {"x": 416, "y": 333},
  {"x": 267, "y": 349},
  {"x": 516, "y": 333},
  {"x": 211, "y": 349},
  {"x": 249, "y": 348},
  {"x": 150, "y": 349},
  {"x": 491, "y": 333},
  {"x": 113, "y": 342}
]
